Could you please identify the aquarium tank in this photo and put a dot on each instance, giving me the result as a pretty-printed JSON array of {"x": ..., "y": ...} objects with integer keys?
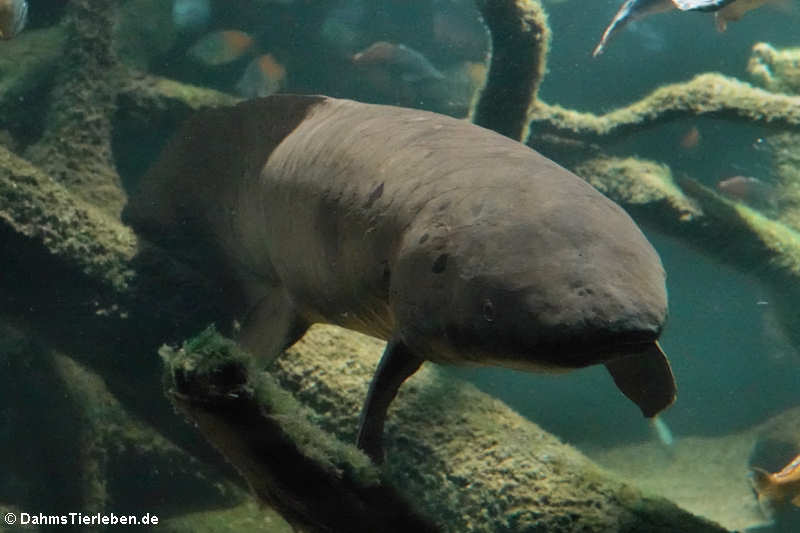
[{"x": 518, "y": 266}]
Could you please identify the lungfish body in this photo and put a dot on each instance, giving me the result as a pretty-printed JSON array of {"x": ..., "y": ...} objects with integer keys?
[{"x": 454, "y": 243}]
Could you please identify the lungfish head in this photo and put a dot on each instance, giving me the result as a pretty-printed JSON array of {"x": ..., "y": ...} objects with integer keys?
[{"x": 537, "y": 287}]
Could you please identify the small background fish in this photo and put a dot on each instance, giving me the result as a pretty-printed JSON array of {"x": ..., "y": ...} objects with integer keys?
[
  {"x": 633, "y": 10},
  {"x": 401, "y": 60},
  {"x": 221, "y": 47},
  {"x": 262, "y": 77},
  {"x": 751, "y": 191},
  {"x": 777, "y": 491},
  {"x": 13, "y": 17},
  {"x": 691, "y": 139}
]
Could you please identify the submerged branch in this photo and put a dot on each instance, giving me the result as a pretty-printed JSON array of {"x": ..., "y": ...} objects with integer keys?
[
  {"x": 712, "y": 95},
  {"x": 463, "y": 458},
  {"x": 520, "y": 42},
  {"x": 75, "y": 148},
  {"x": 316, "y": 482}
]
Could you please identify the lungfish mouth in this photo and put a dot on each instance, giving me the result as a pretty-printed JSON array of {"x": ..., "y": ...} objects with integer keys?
[
  {"x": 637, "y": 364},
  {"x": 575, "y": 350}
]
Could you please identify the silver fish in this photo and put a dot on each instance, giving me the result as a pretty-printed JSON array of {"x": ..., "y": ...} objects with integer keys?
[{"x": 632, "y": 10}]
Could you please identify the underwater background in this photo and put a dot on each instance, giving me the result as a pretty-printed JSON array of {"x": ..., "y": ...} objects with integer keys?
[{"x": 90, "y": 91}]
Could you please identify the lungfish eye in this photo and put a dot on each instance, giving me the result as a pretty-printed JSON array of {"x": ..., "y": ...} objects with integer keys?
[{"x": 488, "y": 310}]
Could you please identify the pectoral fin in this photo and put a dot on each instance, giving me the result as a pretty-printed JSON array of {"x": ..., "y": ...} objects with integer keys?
[
  {"x": 759, "y": 479},
  {"x": 396, "y": 365},
  {"x": 271, "y": 326},
  {"x": 646, "y": 378}
]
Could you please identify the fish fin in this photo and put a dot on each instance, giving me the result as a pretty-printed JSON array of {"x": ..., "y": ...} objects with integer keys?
[
  {"x": 630, "y": 11},
  {"x": 621, "y": 19},
  {"x": 721, "y": 23},
  {"x": 612, "y": 28},
  {"x": 271, "y": 326},
  {"x": 662, "y": 431},
  {"x": 760, "y": 479},
  {"x": 396, "y": 365},
  {"x": 796, "y": 501},
  {"x": 646, "y": 378}
]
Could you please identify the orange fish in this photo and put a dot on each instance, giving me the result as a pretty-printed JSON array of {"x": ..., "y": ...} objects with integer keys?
[
  {"x": 691, "y": 139},
  {"x": 752, "y": 191},
  {"x": 221, "y": 47},
  {"x": 262, "y": 77},
  {"x": 776, "y": 491},
  {"x": 398, "y": 59}
]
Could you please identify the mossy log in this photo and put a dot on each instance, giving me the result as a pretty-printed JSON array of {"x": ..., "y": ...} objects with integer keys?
[
  {"x": 777, "y": 70},
  {"x": 75, "y": 147},
  {"x": 480, "y": 466},
  {"x": 520, "y": 43},
  {"x": 318, "y": 483},
  {"x": 710, "y": 94},
  {"x": 69, "y": 445}
]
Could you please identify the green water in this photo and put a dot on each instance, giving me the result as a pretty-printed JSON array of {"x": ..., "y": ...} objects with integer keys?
[{"x": 83, "y": 419}]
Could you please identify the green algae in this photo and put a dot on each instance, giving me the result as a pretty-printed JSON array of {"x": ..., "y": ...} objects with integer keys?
[
  {"x": 708, "y": 94},
  {"x": 78, "y": 233},
  {"x": 520, "y": 44},
  {"x": 212, "y": 363},
  {"x": 635, "y": 182},
  {"x": 75, "y": 146},
  {"x": 759, "y": 235},
  {"x": 480, "y": 466},
  {"x": 777, "y": 70}
]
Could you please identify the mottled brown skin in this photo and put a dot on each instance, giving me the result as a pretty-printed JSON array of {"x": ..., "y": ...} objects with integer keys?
[{"x": 454, "y": 243}]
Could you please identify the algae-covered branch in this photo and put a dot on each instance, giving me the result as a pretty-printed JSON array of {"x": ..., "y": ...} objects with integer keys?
[{"x": 712, "y": 95}]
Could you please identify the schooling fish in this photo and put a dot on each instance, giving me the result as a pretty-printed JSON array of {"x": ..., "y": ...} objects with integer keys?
[
  {"x": 13, "y": 17},
  {"x": 221, "y": 47},
  {"x": 410, "y": 65},
  {"x": 633, "y": 10},
  {"x": 776, "y": 491},
  {"x": 456, "y": 244}
]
